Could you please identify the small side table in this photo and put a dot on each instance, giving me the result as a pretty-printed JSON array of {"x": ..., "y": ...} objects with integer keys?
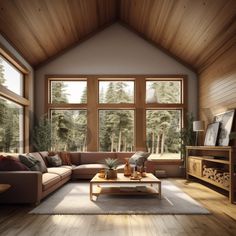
[{"x": 4, "y": 187}]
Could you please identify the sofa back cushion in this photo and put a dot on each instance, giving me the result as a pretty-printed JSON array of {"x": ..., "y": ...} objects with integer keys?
[
  {"x": 44, "y": 155},
  {"x": 95, "y": 157},
  {"x": 9, "y": 163},
  {"x": 75, "y": 158},
  {"x": 121, "y": 156}
]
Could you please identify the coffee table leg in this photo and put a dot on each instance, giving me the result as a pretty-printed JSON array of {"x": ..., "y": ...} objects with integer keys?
[
  {"x": 91, "y": 191},
  {"x": 159, "y": 189}
]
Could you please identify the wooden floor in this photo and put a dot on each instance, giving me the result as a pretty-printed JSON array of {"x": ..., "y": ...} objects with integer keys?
[{"x": 14, "y": 220}]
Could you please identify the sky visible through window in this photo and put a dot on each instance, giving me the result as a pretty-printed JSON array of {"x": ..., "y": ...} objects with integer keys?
[{"x": 13, "y": 78}]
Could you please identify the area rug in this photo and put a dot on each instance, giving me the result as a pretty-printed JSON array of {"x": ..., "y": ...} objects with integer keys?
[{"x": 73, "y": 199}]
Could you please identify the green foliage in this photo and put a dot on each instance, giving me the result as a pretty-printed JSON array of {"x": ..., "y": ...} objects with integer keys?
[
  {"x": 9, "y": 126},
  {"x": 2, "y": 76},
  {"x": 187, "y": 135},
  {"x": 111, "y": 163},
  {"x": 42, "y": 138},
  {"x": 232, "y": 135}
]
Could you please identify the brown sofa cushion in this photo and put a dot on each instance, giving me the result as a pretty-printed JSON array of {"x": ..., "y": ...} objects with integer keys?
[
  {"x": 9, "y": 163},
  {"x": 49, "y": 179},
  {"x": 44, "y": 155},
  {"x": 65, "y": 157},
  {"x": 88, "y": 169},
  {"x": 62, "y": 172},
  {"x": 95, "y": 157}
]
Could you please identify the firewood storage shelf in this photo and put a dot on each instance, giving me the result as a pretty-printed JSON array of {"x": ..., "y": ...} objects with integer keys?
[{"x": 215, "y": 165}]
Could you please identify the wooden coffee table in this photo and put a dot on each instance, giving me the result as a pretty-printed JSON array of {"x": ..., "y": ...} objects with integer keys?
[{"x": 125, "y": 186}]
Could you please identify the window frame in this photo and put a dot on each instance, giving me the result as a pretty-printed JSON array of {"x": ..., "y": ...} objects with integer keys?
[
  {"x": 18, "y": 99},
  {"x": 139, "y": 106}
]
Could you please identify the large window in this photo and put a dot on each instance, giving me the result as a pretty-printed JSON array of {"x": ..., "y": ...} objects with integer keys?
[
  {"x": 12, "y": 108},
  {"x": 164, "y": 117},
  {"x": 117, "y": 114}
]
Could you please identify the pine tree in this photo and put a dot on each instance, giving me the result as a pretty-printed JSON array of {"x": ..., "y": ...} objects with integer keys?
[{"x": 2, "y": 76}]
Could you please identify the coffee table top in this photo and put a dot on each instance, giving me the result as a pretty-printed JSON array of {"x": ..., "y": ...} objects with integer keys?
[{"x": 150, "y": 178}]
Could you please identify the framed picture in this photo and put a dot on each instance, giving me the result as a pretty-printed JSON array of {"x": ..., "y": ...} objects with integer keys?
[
  {"x": 226, "y": 122},
  {"x": 211, "y": 134}
]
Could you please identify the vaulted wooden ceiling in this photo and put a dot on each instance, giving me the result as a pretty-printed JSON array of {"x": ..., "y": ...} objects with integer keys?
[{"x": 194, "y": 31}]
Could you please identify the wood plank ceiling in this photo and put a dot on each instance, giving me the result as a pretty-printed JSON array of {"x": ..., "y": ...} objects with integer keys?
[{"x": 195, "y": 31}]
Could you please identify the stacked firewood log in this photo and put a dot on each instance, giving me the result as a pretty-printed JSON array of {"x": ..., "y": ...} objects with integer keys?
[{"x": 217, "y": 175}]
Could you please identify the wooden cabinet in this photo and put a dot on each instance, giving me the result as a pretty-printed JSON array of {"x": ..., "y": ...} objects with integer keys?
[
  {"x": 194, "y": 166},
  {"x": 215, "y": 165}
]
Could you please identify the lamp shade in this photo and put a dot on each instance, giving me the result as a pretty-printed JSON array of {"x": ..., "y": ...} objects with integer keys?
[{"x": 198, "y": 125}]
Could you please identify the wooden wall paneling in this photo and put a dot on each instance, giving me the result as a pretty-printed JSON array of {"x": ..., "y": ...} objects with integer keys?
[
  {"x": 217, "y": 86},
  {"x": 193, "y": 31}
]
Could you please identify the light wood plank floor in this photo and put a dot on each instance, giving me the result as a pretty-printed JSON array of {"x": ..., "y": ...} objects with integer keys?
[{"x": 14, "y": 220}]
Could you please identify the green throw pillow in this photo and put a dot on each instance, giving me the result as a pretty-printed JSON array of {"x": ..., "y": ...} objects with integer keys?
[
  {"x": 31, "y": 162},
  {"x": 54, "y": 161}
]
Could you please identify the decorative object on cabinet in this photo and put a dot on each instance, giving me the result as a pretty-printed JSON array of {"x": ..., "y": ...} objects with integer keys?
[
  {"x": 214, "y": 165},
  {"x": 226, "y": 122},
  {"x": 211, "y": 134},
  {"x": 198, "y": 126}
]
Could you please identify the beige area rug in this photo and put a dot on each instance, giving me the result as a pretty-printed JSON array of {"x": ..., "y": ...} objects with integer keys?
[{"x": 73, "y": 199}]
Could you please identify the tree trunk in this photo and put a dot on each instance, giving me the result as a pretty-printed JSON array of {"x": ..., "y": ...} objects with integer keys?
[
  {"x": 153, "y": 142},
  {"x": 119, "y": 141},
  {"x": 163, "y": 143},
  {"x": 158, "y": 144},
  {"x": 112, "y": 141}
]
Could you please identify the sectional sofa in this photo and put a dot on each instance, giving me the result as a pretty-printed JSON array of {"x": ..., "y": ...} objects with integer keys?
[{"x": 33, "y": 186}]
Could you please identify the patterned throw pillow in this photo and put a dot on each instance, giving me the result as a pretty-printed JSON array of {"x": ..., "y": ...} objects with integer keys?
[
  {"x": 31, "y": 162},
  {"x": 139, "y": 158},
  {"x": 54, "y": 161},
  {"x": 9, "y": 163}
]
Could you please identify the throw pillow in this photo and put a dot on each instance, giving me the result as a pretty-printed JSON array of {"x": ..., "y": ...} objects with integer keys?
[
  {"x": 139, "y": 158},
  {"x": 9, "y": 163},
  {"x": 54, "y": 161},
  {"x": 65, "y": 157},
  {"x": 37, "y": 156},
  {"x": 31, "y": 162}
]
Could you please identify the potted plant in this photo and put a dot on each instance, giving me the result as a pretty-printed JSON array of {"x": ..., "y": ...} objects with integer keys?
[
  {"x": 111, "y": 164},
  {"x": 187, "y": 137}
]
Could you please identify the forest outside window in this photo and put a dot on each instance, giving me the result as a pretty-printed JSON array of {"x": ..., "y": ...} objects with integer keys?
[
  {"x": 12, "y": 113},
  {"x": 116, "y": 130},
  {"x": 112, "y": 92},
  {"x": 162, "y": 133},
  {"x": 69, "y": 130},
  {"x": 10, "y": 77},
  {"x": 68, "y": 92},
  {"x": 164, "y": 92}
]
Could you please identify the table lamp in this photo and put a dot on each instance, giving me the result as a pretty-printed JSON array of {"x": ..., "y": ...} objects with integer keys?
[{"x": 198, "y": 126}]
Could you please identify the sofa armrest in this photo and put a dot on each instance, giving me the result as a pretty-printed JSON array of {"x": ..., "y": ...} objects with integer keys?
[{"x": 26, "y": 186}]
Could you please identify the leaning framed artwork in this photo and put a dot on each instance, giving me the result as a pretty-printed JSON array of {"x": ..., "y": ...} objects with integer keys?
[
  {"x": 211, "y": 134},
  {"x": 226, "y": 121}
]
